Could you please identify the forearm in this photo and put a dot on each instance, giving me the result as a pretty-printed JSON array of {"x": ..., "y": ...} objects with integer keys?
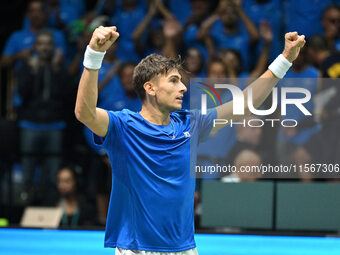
[
  {"x": 165, "y": 12},
  {"x": 205, "y": 27},
  {"x": 250, "y": 26},
  {"x": 9, "y": 61},
  {"x": 209, "y": 44},
  {"x": 262, "y": 61},
  {"x": 261, "y": 88},
  {"x": 87, "y": 96},
  {"x": 137, "y": 33}
]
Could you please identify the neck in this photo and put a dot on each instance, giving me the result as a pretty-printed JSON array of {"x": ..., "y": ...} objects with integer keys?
[
  {"x": 155, "y": 115},
  {"x": 70, "y": 197},
  {"x": 44, "y": 62},
  {"x": 231, "y": 29},
  {"x": 35, "y": 29}
]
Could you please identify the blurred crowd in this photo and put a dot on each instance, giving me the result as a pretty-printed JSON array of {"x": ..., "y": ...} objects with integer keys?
[{"x": 56, "y": 160}]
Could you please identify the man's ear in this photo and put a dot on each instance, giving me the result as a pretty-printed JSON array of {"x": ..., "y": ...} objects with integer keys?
[{"x": 149, "y": 88}]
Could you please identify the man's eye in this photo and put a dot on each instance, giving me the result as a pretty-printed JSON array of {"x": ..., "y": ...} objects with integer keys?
[{"x": 173, "y": 80}]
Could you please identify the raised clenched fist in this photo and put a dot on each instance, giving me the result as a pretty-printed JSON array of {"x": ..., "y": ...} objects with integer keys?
[
  {"x": 293, "y": 43},
  {"x": 103, "y": 38}
]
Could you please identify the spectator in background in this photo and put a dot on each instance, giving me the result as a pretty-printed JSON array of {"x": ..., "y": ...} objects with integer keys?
[
  {"x": 105, "y": 7},
  {"x": 233, "y": 60},
  {"x": 223, "y": 140},
  {"x": 64, "y": 12},
  {"x": 215, "y": 149},
  {"x": 245, "y": 158},
  {"x": 76, "y": 208},
  {"x": 160, "y": 38},
  {"x": 269, "y": 11},
  {"x": 181, "y": 9},
  {"x": 200, "y": 12},
  {"x": 120, "y": 94},
  {"x": 194, "y": 63},
  {"x": 322, "y": 57},
  {"x": 301, "y": 75},
  {"x": 247, "y": 138},
  {"x": 305, "y": 16},
  {"x": 46, "y": 103},
  {"x": 19, "y": 45},
  {"x": 107, "y": 74},
  {"x": 331, "y": 27},
  {"x": 231, "y": 28},
  {"x": 194, "y": 66},
  {"x": 324, "y": 146},
  {"x": 127, "y": 20}
]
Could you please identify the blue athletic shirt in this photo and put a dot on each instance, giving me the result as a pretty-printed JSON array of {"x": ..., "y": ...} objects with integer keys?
[{"x": 152, "y": 195}]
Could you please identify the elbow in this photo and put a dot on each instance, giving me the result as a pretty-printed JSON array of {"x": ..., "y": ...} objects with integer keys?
[
  {"x": 77, "y": 114},
  {"x": 82, "y": 116}
]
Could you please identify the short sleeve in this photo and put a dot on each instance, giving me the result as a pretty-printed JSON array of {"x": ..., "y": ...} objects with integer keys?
[
  {"x": 203, "y": 122},
  {"x": 9, "y": 49},
  {"x": 115, "y": 124}
]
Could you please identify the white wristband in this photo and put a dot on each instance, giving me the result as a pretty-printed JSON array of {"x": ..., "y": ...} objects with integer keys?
[
  {"x": 93, "y": 59},
  {"x": 280, "y": 66}
]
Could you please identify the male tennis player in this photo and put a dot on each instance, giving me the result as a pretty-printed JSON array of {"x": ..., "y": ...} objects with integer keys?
[{"x": 152, "y": 197}]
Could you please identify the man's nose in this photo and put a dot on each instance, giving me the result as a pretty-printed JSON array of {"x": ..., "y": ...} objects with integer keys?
[{"x": 183, "y": 87}]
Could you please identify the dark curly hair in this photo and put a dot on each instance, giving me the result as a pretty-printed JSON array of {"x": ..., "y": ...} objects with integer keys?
[{"x": 149, "y": 67}]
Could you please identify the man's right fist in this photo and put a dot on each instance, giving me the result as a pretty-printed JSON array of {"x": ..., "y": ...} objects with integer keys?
[
  {"x": 103, "y": 38},
  {"x": 293, "y": 43}
]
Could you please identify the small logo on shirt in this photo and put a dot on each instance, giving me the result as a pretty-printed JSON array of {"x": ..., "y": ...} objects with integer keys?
[{"x": 186, "y": 134}]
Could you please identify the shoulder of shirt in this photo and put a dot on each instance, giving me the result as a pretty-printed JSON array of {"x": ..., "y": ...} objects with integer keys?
[
  {"x": 123, "y": 116},
  {"x": 313, "y": 70},
  {"x": 19, "y": 33},
  {"x": 124, "y": 112},
  {"x": 57, "y": 32},
  {"x": 180, "y": 113},
  {"x": 217, "y": 23}
]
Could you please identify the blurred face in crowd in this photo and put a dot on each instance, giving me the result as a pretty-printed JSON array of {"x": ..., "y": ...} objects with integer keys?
[
  {"x": 247, "y": 134},
  {"x": 228, "y": 16},
  {"x": 36, "y": 14},
  {"x": 44, "y": 46},
  {"x": 156, "y": 39},
  {"x": 193, "y": 61},
  {"x": 126, "y": 78},
  {"x": 331, "y": 21},
  {"x": 129, "y": 5},
  {"x": 199, "y": 7},
  {"x": 66, "y": 182},
  {"x": 231, "y": 59},
  {"x": 247, "y": 158},
  {"x": 317, "y": 49},
  {"x": 216, "y": 69}
]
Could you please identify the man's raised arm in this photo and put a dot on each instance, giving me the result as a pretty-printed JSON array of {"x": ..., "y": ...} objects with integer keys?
[
  {"x": 86, "y": 111},
  {"x": 262, "y": 87}
]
